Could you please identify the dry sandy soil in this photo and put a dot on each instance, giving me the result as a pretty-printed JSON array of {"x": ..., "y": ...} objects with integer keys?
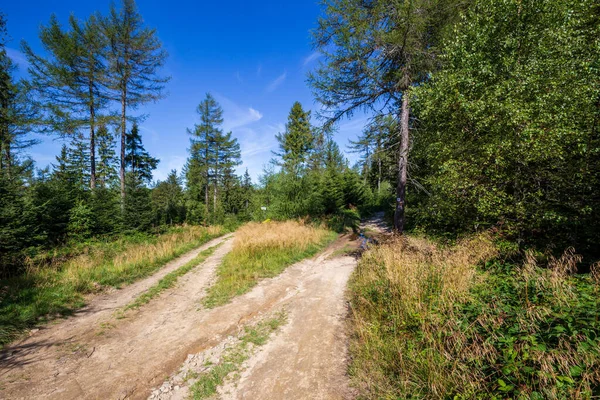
[{"x": 95, "y": 355}]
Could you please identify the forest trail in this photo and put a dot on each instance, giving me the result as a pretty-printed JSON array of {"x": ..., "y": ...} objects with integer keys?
[{"x": 94, "y": 355}]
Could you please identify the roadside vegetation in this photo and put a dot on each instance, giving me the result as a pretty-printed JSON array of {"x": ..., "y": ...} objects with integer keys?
[
  {"x": 437, "y": 322},
  {"x": 263, "y": 250},
  {"x": 55, "y": 282}
]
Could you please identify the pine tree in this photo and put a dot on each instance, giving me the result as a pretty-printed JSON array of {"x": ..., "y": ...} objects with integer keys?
[
  {"x": 335, "y": 164},
  {"x": 363, "y": 145},
  {"x": 135, "y": 56},
  {"x": 137, "y": 159}
]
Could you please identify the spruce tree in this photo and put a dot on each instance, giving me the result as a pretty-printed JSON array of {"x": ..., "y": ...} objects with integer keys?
[
  {"x": 137, "y": 160},
  {"x": 247, "y": 189},
  {"x": 168, "y": 201},
  {"x": 137, "y": 213},
  {"x": 296, "y": 142},
  {"x": 106, "y": 173},
  {"x": 227, "y": 156},
  {"x": 200, "y": 164},
  {"x": 78, "y": 159}
]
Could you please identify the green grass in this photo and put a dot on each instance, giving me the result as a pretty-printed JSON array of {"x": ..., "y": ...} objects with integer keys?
[
  {"x": 241, "y": 271},
  {"x": 344, "y": 251},
  {"x": 207, "y": 383},
  {"x": 170, "y": 279},
  {"x": 512, "y": 330},
  {"x": 56, "y": 282}
]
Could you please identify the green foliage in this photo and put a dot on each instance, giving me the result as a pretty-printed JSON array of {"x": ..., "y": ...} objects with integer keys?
[
  {"x": 508, "y": 128},
  {"x": 106, "y": 211},
  {"x": 297, "y": 141},
  {"x": 209, "y": 171},
  {"x": 168, "y": 201},
  {"x": 314, "y": 180},
  {"x": 518, "y": 331},
  {"x": 137, "y": 211},
  {"x": 343, "y": 219},
  {"x": 80, "y": 222},
  {"x": 137, "y": 159},
  {"x": 106, "y": 169},
  {"x": 546, "y": 338},
  {"x": 17, "y": 226}
]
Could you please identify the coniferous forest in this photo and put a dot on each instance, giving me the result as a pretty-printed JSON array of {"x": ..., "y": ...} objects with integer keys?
[{"x": 481, "y": 148}]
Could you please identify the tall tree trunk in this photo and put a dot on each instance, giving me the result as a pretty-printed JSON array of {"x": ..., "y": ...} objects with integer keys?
[
  {"x": 92, "y": 159},
  {"x": 92, "y": 141},
  {"x": 123, "y": 128},
  {"x": 215, "y": 182},
  {"x": 379, "y": 175},
  {"x": 399, "y": 217},
  {"x": 366, "y": 169},
  {"x": 207, "y": 182},
  {"x": 7, "y": 157}
]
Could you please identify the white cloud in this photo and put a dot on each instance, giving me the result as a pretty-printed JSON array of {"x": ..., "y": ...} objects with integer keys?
[
  {"x": 256, "y": 146},
  {"x": 238, "y": 77},
  {"x": 311, "y": 58},
  {"x": 236, "y": 116},
  {"x": 17, "y": 57},
  {"x": 259, "y": 70},
  {"x": 154, "y": 136},
  {"x": 167, "y": 164},
  {"x": 355, "y": 125},
  {"x": 276, "y": 82}
]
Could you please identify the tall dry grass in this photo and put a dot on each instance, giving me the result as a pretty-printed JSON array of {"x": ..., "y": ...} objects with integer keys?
[
  {"x": 101, "y": 265},
  {"x": 256, "y": 238},
  {"x": 430, "y": 322},
  {"x": 55, "y": 282},
  {"x": 402, "y": 290},
  {"x": 262, "y": 250}
]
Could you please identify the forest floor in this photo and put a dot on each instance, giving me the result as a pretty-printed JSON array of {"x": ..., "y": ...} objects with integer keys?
[{"x": 172, "y": 347}]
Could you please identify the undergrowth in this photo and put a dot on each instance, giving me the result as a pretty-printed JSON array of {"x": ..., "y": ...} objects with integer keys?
[
  {"x": 55, "y": 283},
  {"x": 458, "y": 322},
  {"x": 263, "y": 250}
]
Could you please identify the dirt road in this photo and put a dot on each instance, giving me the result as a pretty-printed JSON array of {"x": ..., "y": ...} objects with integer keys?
[{"x": 95, "y": 355}]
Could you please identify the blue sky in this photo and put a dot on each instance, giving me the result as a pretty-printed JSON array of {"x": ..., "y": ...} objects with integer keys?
[{"x": 252, "y": 56}]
